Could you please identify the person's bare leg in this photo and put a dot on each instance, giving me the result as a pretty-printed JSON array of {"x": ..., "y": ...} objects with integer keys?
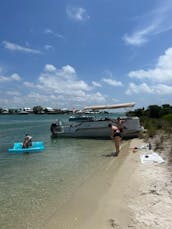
[{"x": 117, "y": 144}]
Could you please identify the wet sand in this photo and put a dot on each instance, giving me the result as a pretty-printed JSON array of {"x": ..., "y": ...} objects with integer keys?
[{"x": 123, "y": 194}]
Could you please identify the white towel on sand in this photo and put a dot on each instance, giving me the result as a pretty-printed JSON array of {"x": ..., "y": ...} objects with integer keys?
[{"x": 150, "y": 158}]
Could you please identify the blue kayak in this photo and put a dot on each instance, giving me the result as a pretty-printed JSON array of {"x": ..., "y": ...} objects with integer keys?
[{"x": 17, "y": 147}]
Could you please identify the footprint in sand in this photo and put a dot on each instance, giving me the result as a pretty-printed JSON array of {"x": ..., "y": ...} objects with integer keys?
[{"x": 113, "y": 223}]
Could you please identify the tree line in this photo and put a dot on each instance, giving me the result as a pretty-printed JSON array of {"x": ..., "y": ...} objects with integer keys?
[
  {"x": 155, "y": 118},
  {"x": 153, "y": 111}
]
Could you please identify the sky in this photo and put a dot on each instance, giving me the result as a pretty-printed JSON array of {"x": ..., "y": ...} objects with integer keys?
[{"x": 77, "y": 53}]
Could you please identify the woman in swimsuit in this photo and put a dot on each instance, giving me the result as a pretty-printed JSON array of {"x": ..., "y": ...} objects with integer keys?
[{"x": 116, "y": 135}]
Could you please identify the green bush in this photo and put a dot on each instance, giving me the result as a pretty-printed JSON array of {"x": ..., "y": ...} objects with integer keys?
[
  {"x": 155, "y": 118},
  {"x": 167, "y": 119}
]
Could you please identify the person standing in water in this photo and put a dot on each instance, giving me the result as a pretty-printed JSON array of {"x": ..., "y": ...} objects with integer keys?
[{"x": 116, "y": 134}]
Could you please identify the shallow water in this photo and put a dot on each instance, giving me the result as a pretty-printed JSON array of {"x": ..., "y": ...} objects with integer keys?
[{"x": 33, "y": 186}]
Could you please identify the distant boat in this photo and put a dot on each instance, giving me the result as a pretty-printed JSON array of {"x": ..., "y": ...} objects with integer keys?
[
  {"x": 5, "y": 113},
  {"x": 81, "y": 126},
  {"x": 36, "y": 147}
]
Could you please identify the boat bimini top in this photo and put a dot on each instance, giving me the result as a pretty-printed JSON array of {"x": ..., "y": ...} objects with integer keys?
[{"x": 115, "y": 106}]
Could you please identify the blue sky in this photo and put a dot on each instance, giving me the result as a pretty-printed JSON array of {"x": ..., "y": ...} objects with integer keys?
[{"x": 72, "y": 54}]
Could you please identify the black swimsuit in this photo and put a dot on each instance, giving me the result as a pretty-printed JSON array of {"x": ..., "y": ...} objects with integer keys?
[{"x": 117, "y": 133}]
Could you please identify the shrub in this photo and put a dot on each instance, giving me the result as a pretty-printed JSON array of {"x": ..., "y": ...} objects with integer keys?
[{"x": 167, "y": 123}]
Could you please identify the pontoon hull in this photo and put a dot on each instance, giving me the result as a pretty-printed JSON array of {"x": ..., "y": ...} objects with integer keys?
[{"x": 97, "y": 129}]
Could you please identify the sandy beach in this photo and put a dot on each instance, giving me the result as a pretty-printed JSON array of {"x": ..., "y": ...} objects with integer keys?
[{"x": 124, "y": 194}]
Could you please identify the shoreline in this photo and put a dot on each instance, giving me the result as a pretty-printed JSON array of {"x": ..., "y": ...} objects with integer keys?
[
  {"x": 94, "y": 204},
  {"x": 124, "y": 194}
]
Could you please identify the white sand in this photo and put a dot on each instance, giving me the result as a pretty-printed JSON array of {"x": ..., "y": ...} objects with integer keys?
[{"x": 124, "y": 194}]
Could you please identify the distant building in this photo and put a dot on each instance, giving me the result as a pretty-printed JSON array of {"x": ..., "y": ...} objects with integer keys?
[
  {"x": 49, "y": 109},
  {"x": 5, "y": 111},
  {"x": 28, "y": 109}
]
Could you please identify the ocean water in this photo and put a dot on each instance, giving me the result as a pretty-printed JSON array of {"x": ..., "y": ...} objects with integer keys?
[{"x": 33, "y": 186}]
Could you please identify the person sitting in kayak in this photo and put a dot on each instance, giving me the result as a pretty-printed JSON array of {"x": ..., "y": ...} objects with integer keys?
[{"x": 27, "y": 141}]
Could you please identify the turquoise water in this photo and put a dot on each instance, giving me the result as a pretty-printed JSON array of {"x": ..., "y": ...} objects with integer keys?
[{"x": 34, "y": 186}]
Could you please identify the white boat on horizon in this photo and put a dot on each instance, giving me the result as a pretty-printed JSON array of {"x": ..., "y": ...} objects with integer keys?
[{"x": 84, "y": 126}]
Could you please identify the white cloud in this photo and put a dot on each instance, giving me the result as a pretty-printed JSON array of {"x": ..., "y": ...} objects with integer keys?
[
  {"x": 55, "y": 87},
  {"x": 77, "y": 13},
  {"x": 49, "y": 68},
  {"x": 48, "y": 47},
  {"x": 48, "y": 31},
  {"x": 94, "y": 98},
  {"x": 162, "y": 89},
  {"x": 65, "y": 85},
  {"x": 112, "y": 82},
  {"x": 159, "y": 89},
  {"x": 68, "y": 70},
  {"x": 138, "y": 89},
  {"x": 29, "y": 84},
  {"x": 13, "y": 93},
  {"x": 4, "y": 79},
  {"x": 38, "y": 97},
  {"x": 68, "y": 98},
  {"x": 15, "y": 47},
  {"x": 51, "y": 32},
  {"x": 62, "y": 80},
  {"x": 162, "y": 72},
  {"x": 96, "y": 84},
  {"x": 139, "y": 37},
  {"x": 155, "y": 22},
  {"x": 13, "y": 77}
]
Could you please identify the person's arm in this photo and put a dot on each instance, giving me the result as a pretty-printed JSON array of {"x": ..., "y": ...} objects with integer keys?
[{"x": 114, "y": 129}]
